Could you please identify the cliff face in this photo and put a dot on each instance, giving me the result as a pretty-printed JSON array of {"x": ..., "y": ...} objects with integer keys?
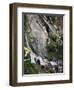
[
  {"x": 43, "y": 43},
  {"x": 43, "y": 33},
  {"x": 39, "y": 35}
]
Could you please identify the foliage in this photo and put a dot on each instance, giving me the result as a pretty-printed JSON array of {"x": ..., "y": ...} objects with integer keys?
[
  {"x": 29, "y": 68},
  {"x": 54, "y": 49},
  {"x": 25, "y": 22},
  {"x": 26, "y": 53}
]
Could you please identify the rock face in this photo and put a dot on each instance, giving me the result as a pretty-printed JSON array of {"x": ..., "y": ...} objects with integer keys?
[
  {"x": 44, "y": 35},
  {"x": 38, "y": 34},
  {"x": 43, "y": 44}
]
